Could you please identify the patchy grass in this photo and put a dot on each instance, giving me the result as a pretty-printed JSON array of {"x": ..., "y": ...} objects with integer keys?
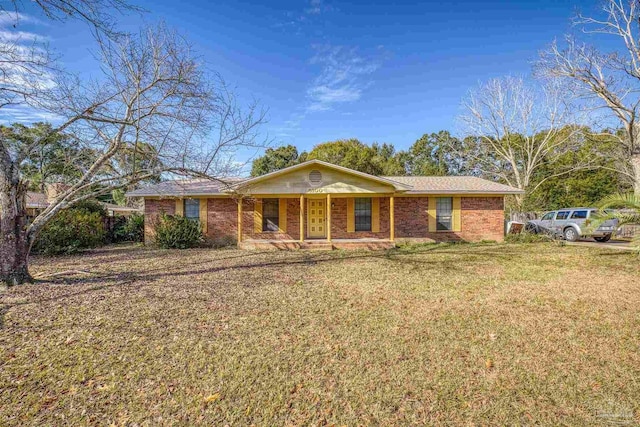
[{"x": 437, "y": 334}]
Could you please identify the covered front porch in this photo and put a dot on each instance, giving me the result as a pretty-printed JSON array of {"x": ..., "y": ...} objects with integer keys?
[{"x": 316, "y": 221}]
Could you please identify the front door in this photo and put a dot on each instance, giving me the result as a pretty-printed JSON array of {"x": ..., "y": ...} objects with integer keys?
[{"x": 316, "y": 209}]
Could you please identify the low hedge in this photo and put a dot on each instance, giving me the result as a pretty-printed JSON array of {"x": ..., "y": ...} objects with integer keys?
[
  {"x": 177, "y": 232},
  {"x": 71, "y": 230}
]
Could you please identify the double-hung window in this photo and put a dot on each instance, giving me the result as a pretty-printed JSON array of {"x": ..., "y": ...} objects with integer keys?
[
  {"x": 270, "y": 214},
  {"x": 363, "y": 214},
  {"x": 444, "y": 213},
  {"x": 192, "y": 209}
]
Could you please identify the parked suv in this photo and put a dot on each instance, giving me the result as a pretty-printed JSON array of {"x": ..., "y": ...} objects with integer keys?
[{"x": 571, "y": 224}]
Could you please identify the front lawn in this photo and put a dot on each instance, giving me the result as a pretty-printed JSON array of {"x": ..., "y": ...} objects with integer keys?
[{"x": 439, "y": 334}]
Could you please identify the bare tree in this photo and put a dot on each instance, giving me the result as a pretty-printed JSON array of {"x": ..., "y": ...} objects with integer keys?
[
  {"x": 513, "y": 128},
  {"x": 153, "y": 94},
  {"x": 98, "y": 14},
  {"x": 611, "y": 79},
  {"x": 26, "y": 62}
]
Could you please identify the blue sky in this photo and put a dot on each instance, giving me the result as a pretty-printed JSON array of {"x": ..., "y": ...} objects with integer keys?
[{"x": 327, "y": 69}]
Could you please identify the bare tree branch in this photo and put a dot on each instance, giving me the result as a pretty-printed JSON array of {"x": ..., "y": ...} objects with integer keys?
[
  {"x": 513, "y": 128},
  {"x": 608, "y": 78}
]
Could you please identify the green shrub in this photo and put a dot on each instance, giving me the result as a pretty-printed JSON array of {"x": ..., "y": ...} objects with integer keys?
[
  {"x": 527, "y": 237},
  {"x": 177, "y": 232},
  {"x": 73, "y": 229},
  {"x": 129, "y": 229}
]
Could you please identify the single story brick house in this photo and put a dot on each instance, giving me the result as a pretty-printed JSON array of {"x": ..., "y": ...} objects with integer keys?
[{"x": 318, "y": 204}]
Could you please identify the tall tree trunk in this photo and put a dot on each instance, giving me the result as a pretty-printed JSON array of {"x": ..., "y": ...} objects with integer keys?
[
  {"x": 15, "y": 242},
  {"x": 635, "y": 164}
]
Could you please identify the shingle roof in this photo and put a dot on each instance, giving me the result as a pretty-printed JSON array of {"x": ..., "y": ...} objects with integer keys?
[
  {"x": 417, "y": 184},
  {"x": 36, "y": 200},
  {"x": 118, "y": 208},
  {"x": 185, "y": 187},
  {"x": 453, "y": 184}
]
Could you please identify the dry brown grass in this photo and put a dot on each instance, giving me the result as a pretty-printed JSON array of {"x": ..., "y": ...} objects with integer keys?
[{"x": 440, "y": 334}]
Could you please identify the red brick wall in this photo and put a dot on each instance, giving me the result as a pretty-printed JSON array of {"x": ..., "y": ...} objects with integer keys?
[
  {"x": 152, "y": 210},
  {"x": 293, "y": 222},
  {"x": 482, "y": 218},
  {"x": 339, "y": 221},
  {"x": 411, "y": 219},
  {"x": 222, "y": 218}
]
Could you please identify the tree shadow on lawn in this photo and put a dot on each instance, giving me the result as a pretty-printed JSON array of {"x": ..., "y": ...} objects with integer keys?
[
  {"x": 134, "y": 254},
  {"x": 134, "y": 280},
  {"x": 313, "y": 259},
  {"x": 130, "y": 284}
]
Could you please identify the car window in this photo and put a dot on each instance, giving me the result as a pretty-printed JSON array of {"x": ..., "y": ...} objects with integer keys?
[
  {"x": 579, "y": 215},
  {"x": 562, "y": 215},
  {"x": 548, "y": 216}
]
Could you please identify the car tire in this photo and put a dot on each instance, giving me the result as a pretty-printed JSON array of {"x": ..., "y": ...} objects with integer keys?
[
  {"x": 571, "y": 234},
  {"x": 603, "y": 239}
]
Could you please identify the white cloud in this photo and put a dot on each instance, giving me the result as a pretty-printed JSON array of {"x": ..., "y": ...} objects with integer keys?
[
  {"x": 297, "y": 20},
  {"x": 19, "y": 36},
  {"x": 12, "y": 19},
  {"x": 25, "y": 69},
  {"x": 343, "y": 76},
  {"x": 25, "y": 115},
  {"x": 316, "y": 7}
]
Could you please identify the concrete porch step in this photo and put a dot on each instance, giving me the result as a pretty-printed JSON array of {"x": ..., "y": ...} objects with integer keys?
[{"x": 318, "y": 245}]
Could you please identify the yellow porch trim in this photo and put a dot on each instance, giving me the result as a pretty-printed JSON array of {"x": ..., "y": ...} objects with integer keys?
[
  {"x": 392, "y": 220},
  {"x": 302, "y": 217},
  {"x": 432, "y": 215},
  {"x": 239, "y": 220},
  {"x": 448, "y": 195},
  {"x": 257, "y": 216},
  {"x": 320, "y": 195},
  {"x": 457, "y": 213},
  {"x": 179, "y": 207},
  {"x": 329, "y": 217},
  {"x": 375, "y": 214},
  {"x": 203, "y": 214},
  {"x": 351, "y": 216},
  {"x": 282, "y": 215}
]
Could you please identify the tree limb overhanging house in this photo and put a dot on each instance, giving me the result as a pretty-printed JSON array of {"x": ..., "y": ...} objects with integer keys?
[
  {"x": 318, "y": 203},
  {"x": 36, "y": 202}
]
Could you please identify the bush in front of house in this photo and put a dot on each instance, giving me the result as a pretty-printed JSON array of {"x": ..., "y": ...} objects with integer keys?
[
  {"x": 71, "y": 230},
  {"x": 177, "y": 232},
  {"x": 527, "y": 237},
  {"x": 129, "y": 229}
]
